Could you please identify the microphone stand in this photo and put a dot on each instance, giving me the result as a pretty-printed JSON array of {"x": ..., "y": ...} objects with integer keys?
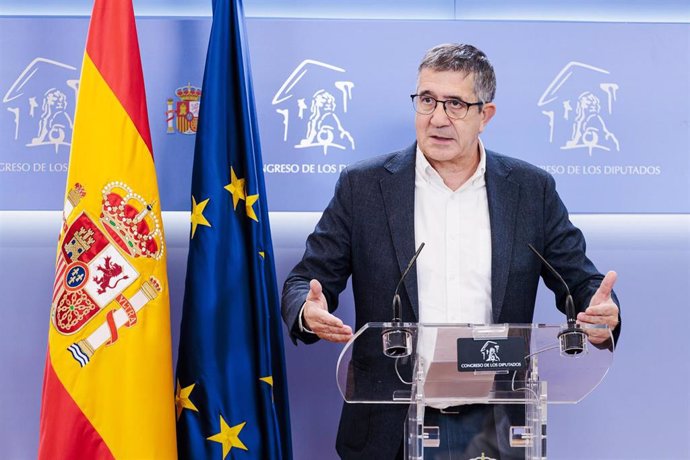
[{"x": 397, "y": 341}]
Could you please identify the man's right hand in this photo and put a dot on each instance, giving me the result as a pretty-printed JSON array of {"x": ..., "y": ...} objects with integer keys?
[{"x": 317, "y": 318}]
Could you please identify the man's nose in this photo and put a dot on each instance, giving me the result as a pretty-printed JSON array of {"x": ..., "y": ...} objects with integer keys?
[{"x": 439, "y": 117}]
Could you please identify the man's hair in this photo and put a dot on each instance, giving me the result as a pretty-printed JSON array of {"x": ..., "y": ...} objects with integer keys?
[{"x": 467, "y": 59}]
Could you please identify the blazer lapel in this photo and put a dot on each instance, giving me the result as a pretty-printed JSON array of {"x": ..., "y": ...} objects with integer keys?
[
  {"x": 397, "y": 190},
  {"x": 503, "y": 195}
]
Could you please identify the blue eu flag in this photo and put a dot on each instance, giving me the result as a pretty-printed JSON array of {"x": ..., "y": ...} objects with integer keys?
[{"x": 231, "y": 390}]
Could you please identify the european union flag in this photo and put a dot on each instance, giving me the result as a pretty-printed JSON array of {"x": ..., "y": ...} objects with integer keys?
[{"x": 231, "y": 389}]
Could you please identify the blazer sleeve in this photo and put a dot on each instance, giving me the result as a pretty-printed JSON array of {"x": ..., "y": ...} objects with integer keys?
[
  {"x": 565, "y": 249},
  {"x": 327, "y": 258}
]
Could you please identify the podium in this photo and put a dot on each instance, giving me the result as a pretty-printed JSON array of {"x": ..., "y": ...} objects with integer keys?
[{"x": 473, "y": 391}]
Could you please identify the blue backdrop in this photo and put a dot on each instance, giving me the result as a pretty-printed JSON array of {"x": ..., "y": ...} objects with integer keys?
[{"x": 557, "y": 83}]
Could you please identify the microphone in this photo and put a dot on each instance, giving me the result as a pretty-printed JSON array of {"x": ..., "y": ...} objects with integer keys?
[
  {"x": 397, "y": 341},
  {"x": 571, "y": 338}
]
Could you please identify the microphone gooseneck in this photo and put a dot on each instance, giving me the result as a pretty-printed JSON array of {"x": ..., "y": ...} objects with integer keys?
[
  {"x": 572, "y": 338},
  {"x": 397, "y": 306},
  {"x": 397, "y": 340},
  {"x": 569, "y": 303}
]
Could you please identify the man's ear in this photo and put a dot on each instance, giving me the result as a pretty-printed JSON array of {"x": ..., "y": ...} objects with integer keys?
[{"x": 488, "y": 112}]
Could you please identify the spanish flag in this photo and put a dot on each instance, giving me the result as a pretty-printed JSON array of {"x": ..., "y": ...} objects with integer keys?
[{"x": 108, "y": 383}]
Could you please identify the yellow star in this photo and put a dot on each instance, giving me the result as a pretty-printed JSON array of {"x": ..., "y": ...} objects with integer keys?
[
  {"x": 198, "y": 214},
  {"x": 236, "y": 188},
  {"x": 182, "y": 400},
  {"x": 251, "y": 199},
  {"x": 228, "y": 437},
  {"x": 262, "y": 254}
]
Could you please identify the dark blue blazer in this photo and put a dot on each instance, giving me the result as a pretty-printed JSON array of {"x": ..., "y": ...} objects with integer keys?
[{"x": 367, "y": 232}]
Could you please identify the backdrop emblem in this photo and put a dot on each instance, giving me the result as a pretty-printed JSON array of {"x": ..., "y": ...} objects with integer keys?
[
  {"x": 578, "y": 104},
  {"x": 41, "y": 100},
  {"x": 315, "y": 98}
]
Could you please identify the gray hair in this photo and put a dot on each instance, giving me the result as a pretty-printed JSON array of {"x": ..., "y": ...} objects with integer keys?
[{"x": 466, "y": 59}]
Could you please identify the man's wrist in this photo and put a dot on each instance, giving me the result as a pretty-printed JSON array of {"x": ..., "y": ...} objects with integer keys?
[{"x": 301, "y": 323}]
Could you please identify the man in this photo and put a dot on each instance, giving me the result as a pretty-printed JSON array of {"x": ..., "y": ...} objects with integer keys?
[{"x": 475, "y": 210}]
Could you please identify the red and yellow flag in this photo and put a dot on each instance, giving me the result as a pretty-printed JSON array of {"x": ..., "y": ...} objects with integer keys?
[{"x": 108, "y": 384}]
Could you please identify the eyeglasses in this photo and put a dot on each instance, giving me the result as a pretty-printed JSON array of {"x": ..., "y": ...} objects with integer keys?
[{"x": 454, "y": 108}]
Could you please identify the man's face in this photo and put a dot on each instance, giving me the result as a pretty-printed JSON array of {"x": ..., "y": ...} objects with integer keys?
[{"x": 442, "y": 139}]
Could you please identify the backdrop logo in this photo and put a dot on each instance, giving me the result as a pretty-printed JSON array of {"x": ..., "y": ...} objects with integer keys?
[
  {"x": 313, "y": 102},
  {"x": 184, "y": 115},
  {"x": 578, "y": 103},
  {"x": 41, "y": 101}
]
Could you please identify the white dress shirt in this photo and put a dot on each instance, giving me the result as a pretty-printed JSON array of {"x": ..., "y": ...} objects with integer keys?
[{"x": 454, "y": 268}]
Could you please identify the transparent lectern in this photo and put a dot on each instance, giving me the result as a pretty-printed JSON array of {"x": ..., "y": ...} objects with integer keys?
[{"x": 492, "y": 383}]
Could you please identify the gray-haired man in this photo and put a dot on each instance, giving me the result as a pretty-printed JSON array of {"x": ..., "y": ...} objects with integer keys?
[{"x": 475, "y": 210}]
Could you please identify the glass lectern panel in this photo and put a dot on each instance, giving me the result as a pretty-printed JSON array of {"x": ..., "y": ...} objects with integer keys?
[{"x": 468, "y": 364}]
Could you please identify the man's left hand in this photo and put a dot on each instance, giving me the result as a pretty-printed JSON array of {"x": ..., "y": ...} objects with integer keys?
[{"x": 601, "y": 310}]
